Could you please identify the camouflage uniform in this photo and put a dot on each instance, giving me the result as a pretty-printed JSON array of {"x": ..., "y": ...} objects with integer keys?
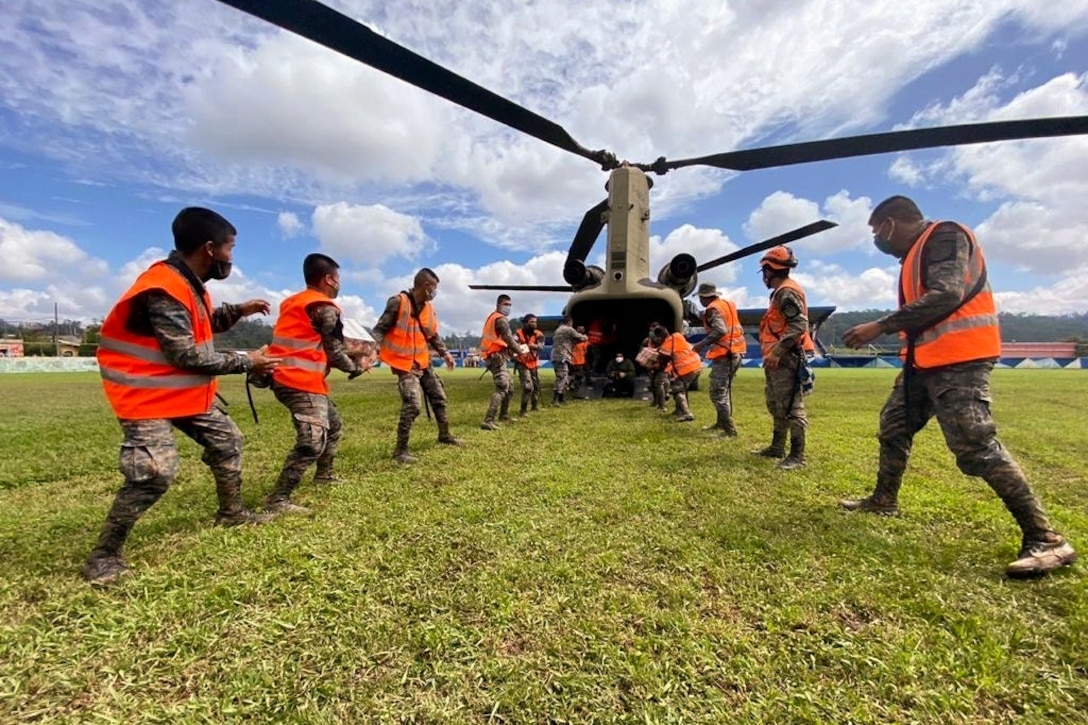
[
  {"x": 414, "y": 384},
  {"x": 563, "y": 340},
  {"x": 316, "y": 420},
  {"x": 149, "y": 456},
  {"x": 782, "y": 390},
  {"x": 957, "y": 395},
  {"x": 722, "y": 371},
  {"x": 500, "y": 374}
]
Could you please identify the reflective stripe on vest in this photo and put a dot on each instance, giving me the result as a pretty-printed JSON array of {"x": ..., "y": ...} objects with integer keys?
[
  {"x": 303, "y": 363},
  {"x": 684, "y": 360},
  {"x": 969, "y": 333},
  {"x": 405, "y": 345},
  {"x": 530, "y": 361},
  {"x": 733, "y": 341},
  {"x": 140, "y": 383},
  {"x": 774, "y": 324},
  {"x": 490, "y": 342}
]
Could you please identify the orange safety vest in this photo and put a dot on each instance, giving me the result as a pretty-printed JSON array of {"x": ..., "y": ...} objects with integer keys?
[
  {"x": 140, "y": 384},
  {"x": 530, "y": 361},
  {"x": 733, "y": 342},
  {"x": 490, "y": 342},
  {"x": 595, "y": 332},
  {"x": 683, "y": 358},
  {"x": 578, "y": 353},
  {"x": 303, "y": 363},
  {"x": 774, "y": 323},
  {"x": 969, "y": 333},
  {"x": 405, "y": 345}
]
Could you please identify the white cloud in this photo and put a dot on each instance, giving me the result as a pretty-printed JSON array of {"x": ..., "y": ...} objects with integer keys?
[
  {"x": 289, "y": 223},
  {"x": 370, "y": 234}
]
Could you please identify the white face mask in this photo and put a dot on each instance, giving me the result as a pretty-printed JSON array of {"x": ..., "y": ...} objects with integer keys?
[
  {"x": 619, "y": 358},
  {"x": 504, "y": 309}
]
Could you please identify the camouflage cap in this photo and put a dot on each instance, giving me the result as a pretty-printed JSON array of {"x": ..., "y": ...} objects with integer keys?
[{"x": 706, "y": 289}]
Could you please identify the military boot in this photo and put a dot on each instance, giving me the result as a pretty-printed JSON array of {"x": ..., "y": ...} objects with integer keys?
[
  {"x": 536, "y": 401},
  {"x": 444, "y": 436},
  {"x": 525, "y": 408},
  {"x": 884, "y": 499},
  {"x": 560, "y": 398},
  {"x": 400, "y": 453},
  {"x": 232, "y": 512},
  {"x": 683, "y": 411},
  {"x": 105, "y": 566},
  {"x": 1041, "y": 557},
  {"x": 279, "y": 501},
  {"x": 777, "y": 449},
  {"x": 716, "y": 425},
  {"x": 796, "y": 458},
  {"x": 729, "y": 430}
]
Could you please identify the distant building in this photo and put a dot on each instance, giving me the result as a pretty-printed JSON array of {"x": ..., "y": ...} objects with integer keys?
[
  {"x": 68, "y": 346},
  {"x": 11, "y": 347}
]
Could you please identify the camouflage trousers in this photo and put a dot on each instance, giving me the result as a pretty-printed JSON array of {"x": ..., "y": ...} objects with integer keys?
[
  {"x": 504, "y": 388},
  {"x": 785, "y": 403},
  {"x": 722, "y": 371},
  {"x": 562, "y": 375},
  {"x": 412, "y": 387},
  {"x": 959, "y": 398},
  {"x": 530, "y": 386},
  {"x": 317, "y": 436},
  {"x": 149, "y": 463},
  {"x": 659, "y": 385},
  {"x": 678, "y": 386}
]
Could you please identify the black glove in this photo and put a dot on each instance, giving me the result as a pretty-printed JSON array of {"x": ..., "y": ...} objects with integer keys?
[{"x": 354, "y": 374}]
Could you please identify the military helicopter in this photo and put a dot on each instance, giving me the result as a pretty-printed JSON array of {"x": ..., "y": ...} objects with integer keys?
[{"x": 624, "y": 291}]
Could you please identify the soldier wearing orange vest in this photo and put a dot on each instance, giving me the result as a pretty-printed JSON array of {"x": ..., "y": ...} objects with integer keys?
[
  {"x": 407, "y": 332},
  {"x": 579, "y": 360},
  {"x": 498, "y": 346},
  {"x": 948, "y": 323},
  {"x": 158, "y": 364},
  {"x": 309, "y": 340},
  {"x": 725, "y": 346},
  {"x": 528, "y": 364},
  {"x": 784, "y": 339},
  {"x": 682, "y": 364}
]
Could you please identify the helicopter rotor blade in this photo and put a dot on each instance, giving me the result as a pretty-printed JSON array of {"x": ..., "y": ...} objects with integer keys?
[
  {"x": 523, "y": 287},
  {"x": 791, "y": 236},
  {"x": 336, "y": 31},
  {"x": 880, "y": 143}
]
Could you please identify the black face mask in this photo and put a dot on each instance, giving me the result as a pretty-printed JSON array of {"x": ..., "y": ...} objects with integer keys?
[{"x": 220, "y": 269}]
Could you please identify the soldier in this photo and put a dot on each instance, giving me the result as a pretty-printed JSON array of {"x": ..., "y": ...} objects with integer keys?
[
  {"x": 563, "y": 341},
  {"x": 621, "y": 377},
  {"x": 682, "y": 365},
  {"x": 725, "y": 346},
  {"x": 406, "y": 332},
  {"x": 659, "y": 379},
  {"x": 579, "y": 359},
  {"x": 158, "y": 364},
  {"x": 948, "y": 323},
  {"x": 784, "y": 338},
  {"x": 497, "y": 345},
  {"x": 528, "y": 364},
  {"x": 309, "y": 339}
]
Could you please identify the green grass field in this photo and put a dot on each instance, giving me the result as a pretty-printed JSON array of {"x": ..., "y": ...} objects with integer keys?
[{"x": 596, "y": 563}]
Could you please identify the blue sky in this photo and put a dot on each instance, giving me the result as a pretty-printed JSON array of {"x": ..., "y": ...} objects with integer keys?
[{"x": 113, "y": 119}]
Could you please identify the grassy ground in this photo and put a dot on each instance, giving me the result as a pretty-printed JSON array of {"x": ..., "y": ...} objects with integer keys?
[{"x": 596, "y": 563}]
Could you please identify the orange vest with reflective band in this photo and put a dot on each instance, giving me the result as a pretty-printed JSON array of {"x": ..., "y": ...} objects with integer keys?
[
  {"x": 684, "y": 359},
  {"x": 303, "y": 363},
  {"x": 491, "y": 343},
  {"x": 969, "y": 333},
  {"x": 578, "y": 353},
  {"x": 733, "y": 342},
  {"x": 595, "y": 332},
  {"x": 140, "y": 384},
  {"x": 405, "y": 345},
  {"x": 774, "y": 323},
  {"x": 530, "y": 361}
]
